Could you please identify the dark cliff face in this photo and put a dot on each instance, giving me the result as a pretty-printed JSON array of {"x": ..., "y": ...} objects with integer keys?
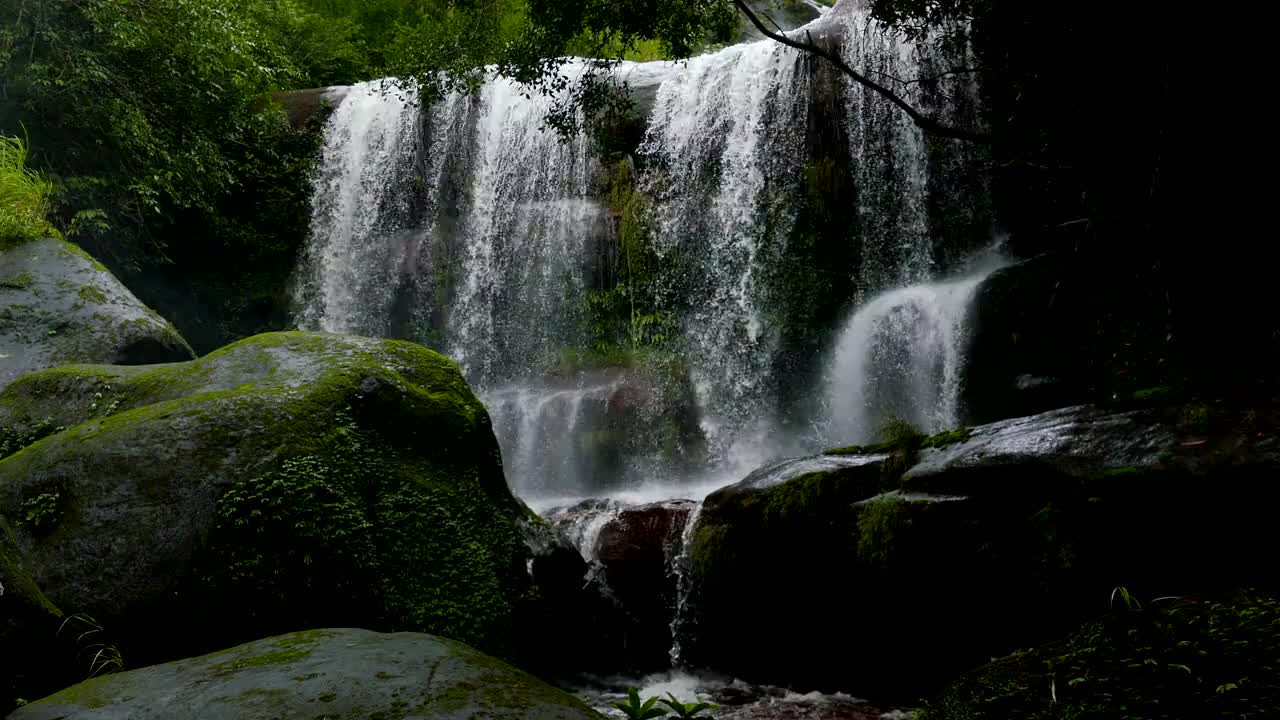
[{"x": 305, "y": 106}]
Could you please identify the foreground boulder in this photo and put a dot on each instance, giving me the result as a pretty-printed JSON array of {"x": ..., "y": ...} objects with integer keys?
[
  {"x": 58, "y": 305},
  {"x": 913, "y": 562},
  {"x": 289, "y": 480},
  {"x": 319, "y": 674}
]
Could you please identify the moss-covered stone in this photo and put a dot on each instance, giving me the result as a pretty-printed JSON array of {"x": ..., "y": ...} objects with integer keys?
[
  {"x": 59, "y": 305},
  {"x": 288, "y": 479},
  {"x": 972, "y": 543},
  {"x": 320, "y": 673}
]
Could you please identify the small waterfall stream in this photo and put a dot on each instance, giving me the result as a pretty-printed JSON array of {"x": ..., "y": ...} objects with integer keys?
[
  {"x": 681, "y": 569},
  {"x": 901, "y": 357}
]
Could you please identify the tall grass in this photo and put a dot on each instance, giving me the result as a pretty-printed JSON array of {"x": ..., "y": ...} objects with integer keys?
[{"x": 24, "y": 196}]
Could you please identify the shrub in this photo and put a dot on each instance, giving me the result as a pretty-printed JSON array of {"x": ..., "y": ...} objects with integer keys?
[{"x": 24, "y": 196}]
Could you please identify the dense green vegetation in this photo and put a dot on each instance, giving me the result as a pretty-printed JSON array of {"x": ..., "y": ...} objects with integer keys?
[
  {"x": 1184, "y": 658},
  {"x": 24, "y": 195}
]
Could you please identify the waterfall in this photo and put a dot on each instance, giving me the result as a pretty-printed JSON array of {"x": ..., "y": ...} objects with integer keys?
[
  {"x": 540, "y": 422},
  {"x": 681, "y": 567},
  {"x": 462, "y": 223},
  {"x": 360, "y": 232},
  {"x": 723, "y": 133},
  {"x": 901, "y": 356}
]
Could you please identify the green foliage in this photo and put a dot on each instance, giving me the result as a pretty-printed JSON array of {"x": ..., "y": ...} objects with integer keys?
[
  {"x": 1128, "y": 600},
  {"x": 878, "y": 524},
  {"x": 149, "y": 117},
  {"x": 1185, "y": 658},
  {"x": 101, "y": 657},
  {"x": 690, "y": 710},
  {"x": 42, "y": 512},
  {"x": 944, "y": 439},
  {"x": 899, "y": 432},
  {"x": 1198, "y": 417},
  {"x": 634, "y": 709},
  {"x": 24, "y": 196},
  {"x": 11, "y": 441},
  {"x": 1160, "y": 393},
  {"x": 629, "y": 313}
]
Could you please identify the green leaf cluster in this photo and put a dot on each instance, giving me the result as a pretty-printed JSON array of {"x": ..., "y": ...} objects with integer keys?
[{"x": 636, "y": 709}]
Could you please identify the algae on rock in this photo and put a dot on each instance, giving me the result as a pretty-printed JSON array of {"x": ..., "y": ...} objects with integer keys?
[{"x": 320, "y": 673}]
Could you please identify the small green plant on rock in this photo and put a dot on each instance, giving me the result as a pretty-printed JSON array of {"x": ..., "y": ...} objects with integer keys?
[
  {"x": 634, "y": 709},
  {"x": 42, "y": 511},
  {"x": 690, "y": 710},
  {"x": 103, "y": 658}
]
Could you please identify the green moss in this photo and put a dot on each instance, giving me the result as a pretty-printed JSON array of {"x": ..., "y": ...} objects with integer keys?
[
  {"x": 76, "y": 251},
  {"x": 21, "y": 281},
  {"x": 411, "y": 540},
  {"x": 91, "y": 294},
  {"x": 345, "y": 525},
  {"x": 1156, "y": 394},
  {"x": 879, "y": 521},
  {"x": 91, "y": 694},
  {"x": 286, "y": 649},
  {"x": 944, "y": 439}
]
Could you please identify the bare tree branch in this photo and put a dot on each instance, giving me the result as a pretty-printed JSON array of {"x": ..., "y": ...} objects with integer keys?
[
  {"x": 925, "y": 78},
  {"x": 922, "y": 121}
]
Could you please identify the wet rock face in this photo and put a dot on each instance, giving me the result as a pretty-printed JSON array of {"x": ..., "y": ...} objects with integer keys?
[
  {"x": 59, "y": 306},
  {"x": 913, "y": 565},
  {"x": 637, "y": 550},
  {"x": 630, "y": 551}
]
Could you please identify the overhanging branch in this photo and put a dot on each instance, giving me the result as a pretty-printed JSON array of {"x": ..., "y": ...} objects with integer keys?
[{"x": 922, "y": 121}]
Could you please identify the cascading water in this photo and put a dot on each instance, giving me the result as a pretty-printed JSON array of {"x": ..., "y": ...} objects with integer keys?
[
  {"x": 463, "y": 224},
  {"x": 541, "y": 423},
  {"x": 360, "y": 238},
  {"x": 901, "y": 356},
  {"x": 721, "y": 136},
  {"x": 681, "y": 567}
]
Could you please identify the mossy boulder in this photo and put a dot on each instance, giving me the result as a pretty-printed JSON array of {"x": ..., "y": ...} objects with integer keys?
[
  {"x": 812, "y": 560},
  {"x": 923, "y": 559},
  {"x": 337, "y": 673},
  {"x": 58, "y": 305},
  {"x": 289, "y": 480}
]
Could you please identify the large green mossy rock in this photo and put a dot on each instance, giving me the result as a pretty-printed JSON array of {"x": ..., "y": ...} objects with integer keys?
[
  {"x": 319, "y": 674},
  {"x": 289, "y": 480},
  {"x": 918, "y": 561},
  {"x": 58, "y": 305}
]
